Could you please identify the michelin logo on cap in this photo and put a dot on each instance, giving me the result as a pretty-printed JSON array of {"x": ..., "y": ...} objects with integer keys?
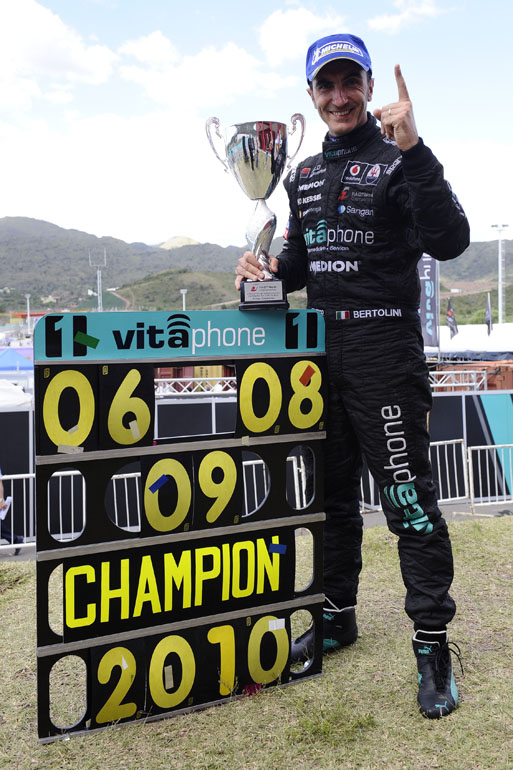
[
  {"x": 331, "y": 47},
  {"x": 339, "y": 46}
]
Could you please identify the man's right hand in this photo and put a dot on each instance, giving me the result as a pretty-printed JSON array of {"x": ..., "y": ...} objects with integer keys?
[{"x": 249, "y": 268}]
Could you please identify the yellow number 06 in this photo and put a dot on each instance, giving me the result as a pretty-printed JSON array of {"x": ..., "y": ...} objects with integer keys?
[
  {"x": 123, "y": 403},
  {"x": 305, "y": 379}
]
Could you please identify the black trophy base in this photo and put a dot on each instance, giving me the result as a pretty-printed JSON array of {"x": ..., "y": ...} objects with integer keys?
[{"x": 263, "y": 295}]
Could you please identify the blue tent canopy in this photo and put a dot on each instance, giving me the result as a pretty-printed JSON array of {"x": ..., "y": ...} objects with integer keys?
[{"x": 12, "y": 361}]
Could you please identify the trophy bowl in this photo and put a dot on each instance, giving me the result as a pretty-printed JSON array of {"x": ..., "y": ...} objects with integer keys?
[{"x": 256, "y": 154}]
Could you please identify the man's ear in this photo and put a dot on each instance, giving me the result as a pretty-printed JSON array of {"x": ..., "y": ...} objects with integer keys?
[
  {"x": 371, "y": 89},
  {"x": 311, "y": 95}
]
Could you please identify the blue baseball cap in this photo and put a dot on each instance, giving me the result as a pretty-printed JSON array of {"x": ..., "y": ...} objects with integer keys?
[{"x": 342, "y": 46}]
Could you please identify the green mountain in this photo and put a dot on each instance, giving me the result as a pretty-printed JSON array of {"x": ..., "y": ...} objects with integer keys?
[
  {"x": 57, "y": 268},
  {"x": 205, "y": 291},
  {"x": 43, "y": 259},
  {"x": 478, "y": 263}
]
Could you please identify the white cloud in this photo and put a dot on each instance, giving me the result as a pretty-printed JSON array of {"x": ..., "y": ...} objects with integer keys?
[
  {"x": 35, "y": 44},
  {"x": 18, "y": 93},
  {"x": 410, "y": 12},
  {"x": 482, "y": 210},
  {"x": 143, "y": 178},
  {"x": 154, "y": 49},
  {"x": 211, "y": 77},
  {"x": 58, "y": 96},
  {"x": 287, "y": 34}
]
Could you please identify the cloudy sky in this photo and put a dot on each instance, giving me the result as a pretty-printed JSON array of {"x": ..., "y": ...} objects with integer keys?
[{"x": 103, "y": 103}]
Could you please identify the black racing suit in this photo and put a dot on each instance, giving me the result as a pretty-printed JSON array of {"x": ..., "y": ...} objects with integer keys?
[{"x": 361, "y": 214}]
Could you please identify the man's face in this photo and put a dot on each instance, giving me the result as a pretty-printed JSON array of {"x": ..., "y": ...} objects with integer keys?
[{"x": 340, "y": 93}]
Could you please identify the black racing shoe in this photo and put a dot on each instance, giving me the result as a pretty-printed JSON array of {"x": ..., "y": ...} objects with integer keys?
[
  {"x": 339, "y": 630},
  {"x": 438, "y": 694}
]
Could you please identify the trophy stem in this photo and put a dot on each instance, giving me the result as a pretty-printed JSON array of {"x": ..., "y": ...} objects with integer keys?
[{"x": 260, "y": 233}]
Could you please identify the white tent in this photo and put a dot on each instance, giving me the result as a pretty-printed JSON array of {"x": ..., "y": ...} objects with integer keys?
[
  {"x": 12, "y": 395},
  {"x": 473, "y": 342}
]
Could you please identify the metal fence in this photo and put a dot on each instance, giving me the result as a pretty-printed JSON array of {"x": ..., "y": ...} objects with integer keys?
[
  {"x": 195, "y": 386},
  {"x": 480, "y": 475},
  {"x": 20, "y": 519},
  {"x": 450, "y": 474},
  {"x": 491, "y": 474},
  {"x": 66, "y": 498},
  {"x": 459, "y": 379}
]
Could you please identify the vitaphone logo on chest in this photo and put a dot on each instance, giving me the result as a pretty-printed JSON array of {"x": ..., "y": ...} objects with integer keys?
[{"x": 323, "y": 234}]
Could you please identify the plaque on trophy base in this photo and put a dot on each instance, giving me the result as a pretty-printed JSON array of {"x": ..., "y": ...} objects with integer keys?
[{"x": 263, "y": 295}]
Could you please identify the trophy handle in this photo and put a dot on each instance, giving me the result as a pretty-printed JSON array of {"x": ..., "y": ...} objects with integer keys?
[
  {"x": 295, "y": 119},
  {"x": 208, "y": 127}
]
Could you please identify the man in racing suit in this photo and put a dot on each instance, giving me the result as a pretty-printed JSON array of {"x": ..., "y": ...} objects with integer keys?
[{"x": 362, "y": 212}]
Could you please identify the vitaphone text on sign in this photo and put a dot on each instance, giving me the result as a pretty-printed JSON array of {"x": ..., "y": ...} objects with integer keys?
[{"x": 116, "y": 336}]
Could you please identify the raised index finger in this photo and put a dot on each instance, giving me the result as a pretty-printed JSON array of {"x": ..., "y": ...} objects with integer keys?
[{"x": 401, "y": 84}]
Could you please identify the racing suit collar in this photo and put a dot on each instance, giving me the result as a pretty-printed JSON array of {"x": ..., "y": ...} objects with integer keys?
[{"x": 333, "y": 148}]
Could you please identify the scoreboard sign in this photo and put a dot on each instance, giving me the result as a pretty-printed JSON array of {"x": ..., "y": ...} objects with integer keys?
[{"x": 193, "y": 605}]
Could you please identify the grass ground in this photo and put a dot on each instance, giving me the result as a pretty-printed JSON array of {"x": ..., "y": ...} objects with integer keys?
[{"x": 361, "y": 714}]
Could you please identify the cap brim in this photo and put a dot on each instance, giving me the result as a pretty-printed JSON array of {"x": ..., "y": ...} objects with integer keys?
[{"x": 335, "y": 58}]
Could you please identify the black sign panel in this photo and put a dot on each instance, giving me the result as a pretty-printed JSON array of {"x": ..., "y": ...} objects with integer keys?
[{"x": 178, "y": 561}]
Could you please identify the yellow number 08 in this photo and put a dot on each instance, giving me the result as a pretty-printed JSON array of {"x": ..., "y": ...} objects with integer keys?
[{"x": 305, "y": 379}]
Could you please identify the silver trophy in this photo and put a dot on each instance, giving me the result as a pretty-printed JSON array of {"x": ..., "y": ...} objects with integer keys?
[{"x": 256, "y": 154}]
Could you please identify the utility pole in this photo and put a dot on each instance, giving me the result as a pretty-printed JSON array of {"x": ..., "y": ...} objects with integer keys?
[
  {"x": 98, "y": 266},
  {"x": 501, "y": 275},
  {"x": 27, "y": 297}
]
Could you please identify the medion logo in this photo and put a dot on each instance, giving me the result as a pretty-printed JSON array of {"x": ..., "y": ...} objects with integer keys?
[{"x": 311, "y": 185}]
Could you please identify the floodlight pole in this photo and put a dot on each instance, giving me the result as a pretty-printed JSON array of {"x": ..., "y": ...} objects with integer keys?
[{"x": 501, "y": 259}]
